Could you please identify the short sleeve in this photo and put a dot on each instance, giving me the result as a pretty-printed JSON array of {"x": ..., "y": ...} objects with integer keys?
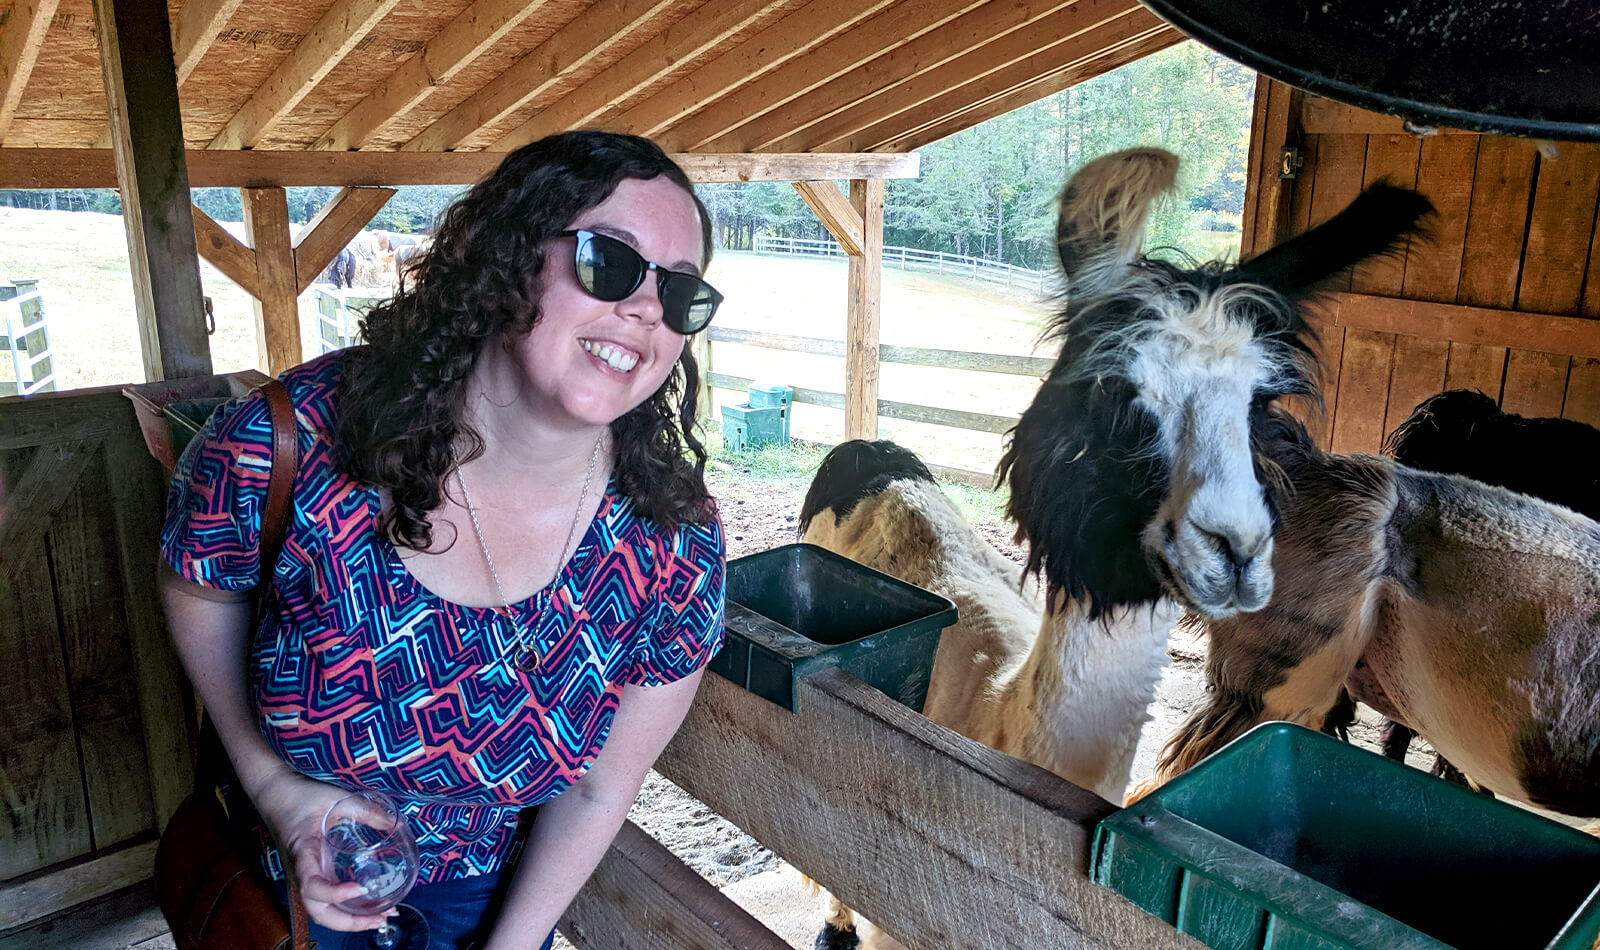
[
  {"x": 213, "y": 527},
  {"x": 687, "y": 629}
]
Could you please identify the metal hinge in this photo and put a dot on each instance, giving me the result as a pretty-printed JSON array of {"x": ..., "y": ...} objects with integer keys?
[{"x": 1290, "y": 161}]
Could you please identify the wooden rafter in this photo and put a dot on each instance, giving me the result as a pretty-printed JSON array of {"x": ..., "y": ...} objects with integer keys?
[
  {"x": 989, "y": 57},
  {"x": 598, "y": 29},
  {"x": 684, "y": 41},
  {"x": 951, "y": 111},
  {"x": 801, "y": 31},
  {"x": 452, "y": 49},
  {"x": 20, "y": 41},
  {"x": 835, "y": 212},
  {"x": 198, "y": 25},
  {"x": 95, "y": 168},
  {"x": 333, "y": 227},
  {"x": 883, "y": 76},
  {"x": 848, "y": 52},
  {"x": 225, "y": 252},
  {"x": 266, "y": 221},
  {"x": 334, "y": 36}
]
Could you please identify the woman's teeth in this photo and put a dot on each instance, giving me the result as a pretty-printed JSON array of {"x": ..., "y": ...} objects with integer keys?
[{"x": 618, "y": 360}]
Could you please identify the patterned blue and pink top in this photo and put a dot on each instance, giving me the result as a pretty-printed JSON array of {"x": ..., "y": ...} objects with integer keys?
[{"x": 365, "y": 678}]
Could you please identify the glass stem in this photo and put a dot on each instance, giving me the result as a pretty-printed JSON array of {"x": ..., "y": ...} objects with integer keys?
[{"x": 387, "y": 936}]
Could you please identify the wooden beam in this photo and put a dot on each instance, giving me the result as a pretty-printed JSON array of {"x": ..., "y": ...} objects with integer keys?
[
  {"x": 452, "y": 49},
  {"x": 862, "y": 315},
  {"x": 339, "y": 220},
  {"x": 642, "y": 897},
  {"x": 940, "y": 840},
  {"x": 1483, "y": 326},
  {"x": 934, "y": 79},
  {"x": 39, "y": 897},
  {"x": 878, "y": 81},
  {"x": 1274, "y": 126},
  {"x": 683, "y": 42},
  {"x": 1016, "y": 88},
  {"x": 600, "y": 28},
  {"x": 845, "y": 54},
  {"x": 225, "y": 252},
  {"x": 814, "y": 24},
  {"x": 20, "y": 41},
  {"x": 198, "y": 24},
  {"x": 1326, "y": 117},
  {"x": 147, "y": 134},
  {"x": 334, "y": 36},
  {"x": 95, "y": 168},
  {"x": 266, "y": 222},
  {"x": 833, "y": 209}
]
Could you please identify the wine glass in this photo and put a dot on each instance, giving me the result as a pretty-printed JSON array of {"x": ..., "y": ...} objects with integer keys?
[{"x": 365, "y": 839}]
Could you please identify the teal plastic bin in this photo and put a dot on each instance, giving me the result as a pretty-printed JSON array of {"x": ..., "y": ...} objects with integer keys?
[
  {"x": 763, "y": 397},
  {"x": 797, "y": 609},
  {"x": 763, "y": 425},
  {"x": 1288, "y": 839}
]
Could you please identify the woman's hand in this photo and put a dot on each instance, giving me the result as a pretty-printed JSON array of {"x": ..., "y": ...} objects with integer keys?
[{"x": 292, "y": 806}]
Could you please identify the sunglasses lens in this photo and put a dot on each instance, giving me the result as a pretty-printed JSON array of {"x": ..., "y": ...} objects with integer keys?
[
  {"x": 687, "y": 302},
  {"x": 608, "y": 268}
]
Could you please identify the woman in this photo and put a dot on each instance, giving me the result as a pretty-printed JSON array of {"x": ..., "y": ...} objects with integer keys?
[{"x": 502, "y": 577}]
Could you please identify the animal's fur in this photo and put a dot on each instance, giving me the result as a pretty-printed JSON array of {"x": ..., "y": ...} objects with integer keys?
[
  {"x": 1474, "y": 614},
  {"x": 1132, "y": 477}
]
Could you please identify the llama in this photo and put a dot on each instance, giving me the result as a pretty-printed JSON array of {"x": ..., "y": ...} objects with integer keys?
[
  {"x": 1463, "y": 432},
  {"x": 1132, "y": 478},
  {"x": 1465, "y": 611}
]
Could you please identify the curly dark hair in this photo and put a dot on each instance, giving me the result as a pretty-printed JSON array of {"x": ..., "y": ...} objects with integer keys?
[{"x": 402, "y": 399}]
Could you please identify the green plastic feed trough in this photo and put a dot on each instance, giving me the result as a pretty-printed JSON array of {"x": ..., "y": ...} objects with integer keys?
[
  {"x": 1288, "y": 839},
  {"x": 798, "y": 609}
]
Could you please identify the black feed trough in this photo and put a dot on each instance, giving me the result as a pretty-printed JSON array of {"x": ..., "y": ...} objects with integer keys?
[{"x": 1510, "y": 67}]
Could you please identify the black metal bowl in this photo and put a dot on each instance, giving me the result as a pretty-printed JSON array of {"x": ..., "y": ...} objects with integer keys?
[{"x": 1511, "y": 67}]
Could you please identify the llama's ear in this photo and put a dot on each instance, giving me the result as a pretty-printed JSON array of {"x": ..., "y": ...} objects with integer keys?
[
  {"x": 1378, "y": 222},
  {"x": 1103, "y": 212}
]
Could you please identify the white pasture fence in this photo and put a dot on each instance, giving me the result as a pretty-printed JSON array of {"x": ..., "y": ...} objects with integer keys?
[
  {"x": 25, "y": 340},
  {"x": 910, "y": 258}
]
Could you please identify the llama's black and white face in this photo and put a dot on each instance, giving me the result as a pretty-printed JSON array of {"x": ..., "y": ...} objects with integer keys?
[{"x": 1132, "y": 473}]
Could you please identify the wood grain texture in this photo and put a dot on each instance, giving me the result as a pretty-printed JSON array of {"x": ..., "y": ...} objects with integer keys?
[
  {"x": 48, "y": 894},
  {"x": 225, "y": 252},
  {"x": 147, "y": 139},
  {"x": 198, "y": 24},
  {"x": 642, "y": 897},
  {"x": 266, "y": 223},
  {"x": 95, "y": 168},
  {"x": 833, "y": 209},
  {"x": 1567, "y": 336},
  {"x": 21, "y": 38},
  {"x": 863, "y": 311},
  {"x": 943, "y": 842}
]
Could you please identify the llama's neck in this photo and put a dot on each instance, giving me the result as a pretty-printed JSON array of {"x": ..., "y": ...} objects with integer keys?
[{"x": 1077, "y": 702}]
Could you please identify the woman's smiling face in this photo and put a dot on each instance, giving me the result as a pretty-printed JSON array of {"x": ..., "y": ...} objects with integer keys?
[{"x": 587, "y": 362}]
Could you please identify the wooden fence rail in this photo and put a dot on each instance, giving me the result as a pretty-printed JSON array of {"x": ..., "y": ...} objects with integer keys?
[
  {"x": 911, "y": 258},
  {"x": 1003, "y": 363}
]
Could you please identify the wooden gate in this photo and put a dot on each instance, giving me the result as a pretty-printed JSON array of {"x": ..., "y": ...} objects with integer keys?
[{"x": 94, "y": 722}]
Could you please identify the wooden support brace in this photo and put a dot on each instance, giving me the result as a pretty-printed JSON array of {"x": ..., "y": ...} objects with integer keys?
[
  {"x": 835, "y": 212},
  {"x": 339, "y": 220},
  {"x": 266, "y": 221},
  {"x": 21, "y": 39},
  {"x": 642, "y": 897},
  {"x": 862, "y": 314},
  {"x": 225, "y": 252}
]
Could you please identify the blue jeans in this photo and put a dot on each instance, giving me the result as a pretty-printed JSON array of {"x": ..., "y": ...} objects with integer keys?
[{"x": 460, "y": 914}]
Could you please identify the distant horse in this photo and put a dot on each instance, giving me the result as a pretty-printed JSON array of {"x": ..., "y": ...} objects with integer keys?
[{"x": 341, "y": 270}]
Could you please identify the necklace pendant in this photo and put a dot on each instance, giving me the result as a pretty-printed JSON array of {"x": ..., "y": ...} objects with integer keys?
[{"x": 525, "y": 658}]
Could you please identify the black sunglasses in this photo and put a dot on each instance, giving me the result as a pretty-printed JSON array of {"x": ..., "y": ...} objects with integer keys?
[{"x": 611, "y": 270}]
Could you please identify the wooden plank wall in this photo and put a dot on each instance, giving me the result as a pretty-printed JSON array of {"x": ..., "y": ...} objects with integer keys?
[
  {"x": 93, "y": 732},
  {"x": 1516, "y": 231}
]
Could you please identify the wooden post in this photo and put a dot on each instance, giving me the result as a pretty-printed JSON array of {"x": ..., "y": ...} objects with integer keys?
[
  {"x": 266, "y": 222},
  {"x": 147, "y": 137},
  {"x": 862, "y": 316},
  {"x": 1275, "y": 125},
  {"x": 700, "y": 349}
]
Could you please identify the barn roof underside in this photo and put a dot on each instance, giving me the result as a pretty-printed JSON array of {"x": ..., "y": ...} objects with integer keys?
[{"x": 711, "y": 76}]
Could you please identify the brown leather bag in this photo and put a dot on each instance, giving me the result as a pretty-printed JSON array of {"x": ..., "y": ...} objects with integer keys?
[{"x": 213, "y": 896}]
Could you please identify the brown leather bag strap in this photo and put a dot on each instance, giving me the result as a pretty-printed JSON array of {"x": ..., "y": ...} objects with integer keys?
[
  {"x": 280, "y": 484},
  {"x": 274, "y": 528}
]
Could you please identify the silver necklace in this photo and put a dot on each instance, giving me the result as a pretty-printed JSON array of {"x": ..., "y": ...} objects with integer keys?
[{"x": 524, "y": 655}]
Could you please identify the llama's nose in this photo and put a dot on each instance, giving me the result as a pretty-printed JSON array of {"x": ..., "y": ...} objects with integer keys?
[{"x": 1236, "y": 549}]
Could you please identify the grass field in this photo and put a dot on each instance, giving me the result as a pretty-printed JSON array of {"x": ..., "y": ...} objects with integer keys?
[{"x": 80, "y": 260}]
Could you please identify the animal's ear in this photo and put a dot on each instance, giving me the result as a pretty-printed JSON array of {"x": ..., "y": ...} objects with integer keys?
[
  {"x": 1378, "y": 222},
  {"x": 1103, "y": 212}
]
